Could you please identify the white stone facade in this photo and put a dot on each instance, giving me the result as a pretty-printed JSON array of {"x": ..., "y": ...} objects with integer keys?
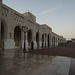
[{"x": 12, "y": 36}]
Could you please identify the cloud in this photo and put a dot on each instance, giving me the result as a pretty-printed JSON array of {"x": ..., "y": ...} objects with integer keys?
[{"x": 50, "y": 11}]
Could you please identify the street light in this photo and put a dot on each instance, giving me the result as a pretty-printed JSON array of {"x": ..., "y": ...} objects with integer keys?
[{"x": 24, "y": 29}]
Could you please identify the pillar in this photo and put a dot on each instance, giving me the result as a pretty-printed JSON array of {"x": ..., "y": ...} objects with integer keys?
[
  {"x": 0, "y": 20},
  {"x": 51, "y": 41}
]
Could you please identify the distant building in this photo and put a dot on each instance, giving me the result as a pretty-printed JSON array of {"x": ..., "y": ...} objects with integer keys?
[
  {"x": 69, "y": 41},
  {"x": 73, "y": 40}
]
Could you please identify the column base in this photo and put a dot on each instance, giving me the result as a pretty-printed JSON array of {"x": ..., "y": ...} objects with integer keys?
[
  {"x": 35, "y": 45},
  {"x": 26, "y": 42},
  {"x": 40, "y": 45},
  {"x": 50, "y": 44},
  {"x": 9, "y": 44}
]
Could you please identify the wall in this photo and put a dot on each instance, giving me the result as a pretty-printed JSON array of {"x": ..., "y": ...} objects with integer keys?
[{"x": 13, "y": 19}]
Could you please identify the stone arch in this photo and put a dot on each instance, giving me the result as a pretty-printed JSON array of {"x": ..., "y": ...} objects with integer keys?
[
  {"x": 37, "y": 39},
  {"x": 3, "y": 32},
  {"x": 43, "y": 40},
  {"x": 17, "y": 36},
  {"x": 46, "y": 35},
  {"x": 29, "y": 37},
  {"x": 58, "y": 41},
  {"x": 53, "y": 41},
  {"x": 48, "y": 40}
]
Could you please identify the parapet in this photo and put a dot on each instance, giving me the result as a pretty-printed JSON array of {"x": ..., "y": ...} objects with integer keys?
[
  {"x": 46, "y": 26},
  {"x": 30, "y": 16}
]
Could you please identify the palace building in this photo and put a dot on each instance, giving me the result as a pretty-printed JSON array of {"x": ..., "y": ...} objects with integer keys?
[{"x": 12, "y": 36}]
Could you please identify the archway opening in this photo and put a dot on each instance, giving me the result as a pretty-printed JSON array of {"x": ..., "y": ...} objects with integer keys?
[
  {"x": 3, "y": 33},
  {"x": 58, "y": 41},
  {"x": 42, "y": 40},
  {"x": 53, "y": 41},
  {"x": 37, "y": 39},
  {"x": 48, "y": 40},
  {"x": 17, "y": 37},
  {"x": 29, "y": 38}
]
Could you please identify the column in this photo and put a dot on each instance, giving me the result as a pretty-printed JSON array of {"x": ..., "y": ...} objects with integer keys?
[
  {"x": 0, "y": 20},
  {"x": 40, "y": 41},
  {"x": 51, "y": 41}
]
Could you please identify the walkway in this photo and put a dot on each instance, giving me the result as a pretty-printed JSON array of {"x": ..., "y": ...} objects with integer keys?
[
  {"x": 68, "y": 51},
  {"x": 15, "y": 62}
]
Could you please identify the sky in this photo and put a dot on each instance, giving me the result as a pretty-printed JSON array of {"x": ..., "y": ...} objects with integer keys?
[{"x": 57, "y": 14}]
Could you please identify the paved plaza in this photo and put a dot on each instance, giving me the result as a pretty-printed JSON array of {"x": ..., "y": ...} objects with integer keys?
[{"x": 15, "y": 62}]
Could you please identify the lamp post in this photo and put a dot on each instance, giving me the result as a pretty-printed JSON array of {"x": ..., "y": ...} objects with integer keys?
[
  {"x": 45, "y": 39},
  {"x": 24, "y": 29}
]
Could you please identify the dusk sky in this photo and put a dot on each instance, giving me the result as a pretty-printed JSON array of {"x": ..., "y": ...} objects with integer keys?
[{"x": 57, "y": 14}]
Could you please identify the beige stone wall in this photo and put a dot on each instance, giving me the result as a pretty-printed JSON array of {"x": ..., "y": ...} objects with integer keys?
[
  {"x": 12, "y": 19},
  {"x": 48, "y": 31},
  {"x": 30, "y": 16}
]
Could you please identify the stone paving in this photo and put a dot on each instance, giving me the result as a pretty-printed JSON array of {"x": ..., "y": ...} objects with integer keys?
[{"x": 14, "y": 62}]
